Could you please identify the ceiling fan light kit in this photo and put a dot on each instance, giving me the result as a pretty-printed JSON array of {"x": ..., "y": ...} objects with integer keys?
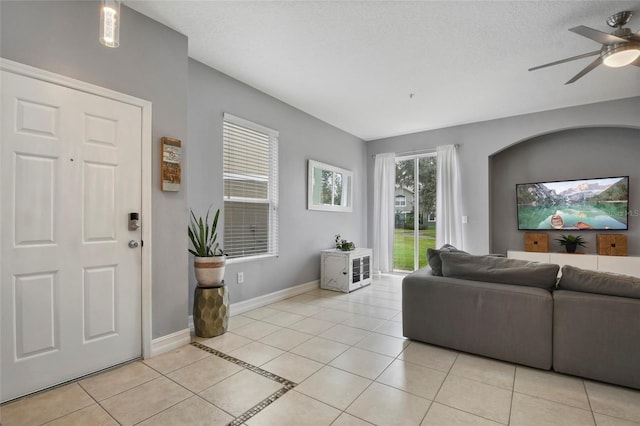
[
  {"x": 620, "y": 48},
  {"x": 620, "y": 54}
]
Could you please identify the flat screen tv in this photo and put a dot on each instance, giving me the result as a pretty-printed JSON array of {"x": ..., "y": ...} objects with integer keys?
[{"x": 582, "y": 204}]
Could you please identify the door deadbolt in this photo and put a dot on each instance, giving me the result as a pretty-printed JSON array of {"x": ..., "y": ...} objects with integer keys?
[{"x": 134, "y": 221}]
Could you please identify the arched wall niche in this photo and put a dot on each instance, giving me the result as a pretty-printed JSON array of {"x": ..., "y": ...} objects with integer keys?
[{"x": 576, "y": 153}]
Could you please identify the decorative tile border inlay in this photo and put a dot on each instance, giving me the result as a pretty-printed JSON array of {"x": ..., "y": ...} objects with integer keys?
[
  {"x": 238, "y": 421},
  {"x": 287, "y": 385}
]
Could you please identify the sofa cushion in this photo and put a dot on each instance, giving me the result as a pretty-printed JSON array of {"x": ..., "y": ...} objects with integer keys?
[
  {"x": 597, "y": 282},
  {"x": 499, "y": 270},
  {"x": 433, "y": 257}
]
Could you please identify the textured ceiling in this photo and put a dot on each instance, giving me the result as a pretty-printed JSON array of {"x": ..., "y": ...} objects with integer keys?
[{"x": 354, "y": 64}]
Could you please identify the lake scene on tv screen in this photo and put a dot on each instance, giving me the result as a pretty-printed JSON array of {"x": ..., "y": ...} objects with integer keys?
[{"x": 597, "y": 204}]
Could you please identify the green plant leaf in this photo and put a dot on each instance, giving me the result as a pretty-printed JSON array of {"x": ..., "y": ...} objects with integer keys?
[
  {"x": 203, "y": 235},
  {"x": 571, "y": 239}
]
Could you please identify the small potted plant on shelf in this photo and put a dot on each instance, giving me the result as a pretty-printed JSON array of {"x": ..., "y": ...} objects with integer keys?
[
  {"x": 209, "y": 257},
  {"x": 344, "y": 245},
  {"x": 571, "y": 242}
]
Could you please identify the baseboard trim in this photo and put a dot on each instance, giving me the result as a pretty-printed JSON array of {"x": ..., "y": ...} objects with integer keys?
[
  {"x": 276, "y": 296},
  {"x": 260, "y": 301},
  {"x": 170, "y": 342},
  {"x": 192, "y": 328}
]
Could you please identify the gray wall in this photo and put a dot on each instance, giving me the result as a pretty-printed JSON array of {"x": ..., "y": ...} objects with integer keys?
[
  {"x": 478, "y": 141},
  {"x": 569, "y": 154},
  {"x": 151, "y": 63},
  {"x": 303, "y": 233}
]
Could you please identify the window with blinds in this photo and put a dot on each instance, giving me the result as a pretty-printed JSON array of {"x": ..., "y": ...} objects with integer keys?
[{"x": 250, "y": 189}]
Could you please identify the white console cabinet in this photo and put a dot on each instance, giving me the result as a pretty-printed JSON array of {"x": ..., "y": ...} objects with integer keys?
[
  {"x": 345, "y": 270},
  {"x": 628, "y": 265}
]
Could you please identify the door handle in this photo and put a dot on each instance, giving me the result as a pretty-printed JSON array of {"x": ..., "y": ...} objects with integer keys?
[{"x": 134, "y": 244}]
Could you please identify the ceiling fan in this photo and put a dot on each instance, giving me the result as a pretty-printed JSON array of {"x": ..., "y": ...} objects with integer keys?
[{"x": 619, "y": 48}]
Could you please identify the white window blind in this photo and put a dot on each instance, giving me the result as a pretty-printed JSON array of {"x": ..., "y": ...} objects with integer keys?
[{"x": 250, "y": 189}]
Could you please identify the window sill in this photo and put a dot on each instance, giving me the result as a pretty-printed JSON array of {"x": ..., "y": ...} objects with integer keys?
[{"x": 250, "y": 258}]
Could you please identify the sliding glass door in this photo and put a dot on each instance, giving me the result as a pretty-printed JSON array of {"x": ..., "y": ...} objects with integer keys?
[{"x": 415, "y": 211}]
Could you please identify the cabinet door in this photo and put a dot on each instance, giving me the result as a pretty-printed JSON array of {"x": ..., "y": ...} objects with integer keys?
[
  {"x": 620, "y": 265},
  {"x": 584, "y": 261},
  {"x": 356, "y": 269},
  {"x": 529, "y": 256},
  {"x": 366, "y": 267},
  {"x": 336, "y": 273}
]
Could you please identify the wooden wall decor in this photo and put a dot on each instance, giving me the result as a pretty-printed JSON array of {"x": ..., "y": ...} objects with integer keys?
[
  {"x": 612, "y": 244},
  {"x": 536, "y": 241},
  {"x": 171, "y": 164}
]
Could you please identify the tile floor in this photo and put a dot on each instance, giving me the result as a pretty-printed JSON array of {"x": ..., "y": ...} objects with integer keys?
[{"x": 351, "y": 365}]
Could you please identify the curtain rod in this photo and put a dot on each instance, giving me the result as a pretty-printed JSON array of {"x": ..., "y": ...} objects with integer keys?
[{"x": 416, "y": 152}]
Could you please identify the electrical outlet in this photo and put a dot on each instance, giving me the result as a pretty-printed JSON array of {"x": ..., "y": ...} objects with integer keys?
[{"x": 240, "y": 277}]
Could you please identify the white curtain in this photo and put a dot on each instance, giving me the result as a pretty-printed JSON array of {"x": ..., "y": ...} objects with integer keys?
[
  {"x": 448, "y": 204},
  {"x": 384, "y": 181}
]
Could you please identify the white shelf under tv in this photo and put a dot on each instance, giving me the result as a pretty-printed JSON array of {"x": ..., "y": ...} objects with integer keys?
[{"x": 628, "y": 265}]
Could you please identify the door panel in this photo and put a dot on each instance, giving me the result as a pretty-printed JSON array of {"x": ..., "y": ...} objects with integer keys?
[
  {"x": 415, "y": 206},
  {"x": 34, "y": 182},
  {"x": 71, "y": 287},
  {"x": 35, "y": 308},
  {"x": 99, "y": 213},
  {"x": 100, "y": 291},
  {"x": 403, "y": 246},
  {"x": 36, "y": 119}
]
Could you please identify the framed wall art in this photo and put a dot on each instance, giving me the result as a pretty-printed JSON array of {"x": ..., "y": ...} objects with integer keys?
[
  {"x": 171, "y": 164},
  {"x": 329, "y": 188}
]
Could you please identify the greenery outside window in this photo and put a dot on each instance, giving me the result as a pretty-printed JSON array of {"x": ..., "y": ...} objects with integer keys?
[{"x": 415, "y": 223}]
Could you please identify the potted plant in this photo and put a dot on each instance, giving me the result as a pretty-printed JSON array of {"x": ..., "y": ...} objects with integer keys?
[
  {"x": 344, "y": 245},
  {"x": 571, "y": 242},
  {"x": 209, "y": 257}
]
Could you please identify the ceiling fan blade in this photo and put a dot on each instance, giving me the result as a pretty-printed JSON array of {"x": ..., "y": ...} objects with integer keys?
[
  {"x": 635, "y": 36},
  {"x": 595, "y": 35},
  {"x": 585, "y": 70},
  {"x": 636, "y": 62},
  {"x": 561, "y": 61}
]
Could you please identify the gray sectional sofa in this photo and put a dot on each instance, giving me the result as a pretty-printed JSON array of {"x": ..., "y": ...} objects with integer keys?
[
  {"x": 588, "y": 325},
  {"x": 596, "y": 326}
]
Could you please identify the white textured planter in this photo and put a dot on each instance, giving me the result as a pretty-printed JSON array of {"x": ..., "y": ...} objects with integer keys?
[{"x": 209, "y": 270}]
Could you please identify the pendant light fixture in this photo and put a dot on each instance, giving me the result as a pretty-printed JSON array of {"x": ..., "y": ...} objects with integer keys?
[{"x": 110, "y": 23}]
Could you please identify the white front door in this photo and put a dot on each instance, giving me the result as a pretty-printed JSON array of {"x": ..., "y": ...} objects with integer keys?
[{"x": 70, "y": 170}]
